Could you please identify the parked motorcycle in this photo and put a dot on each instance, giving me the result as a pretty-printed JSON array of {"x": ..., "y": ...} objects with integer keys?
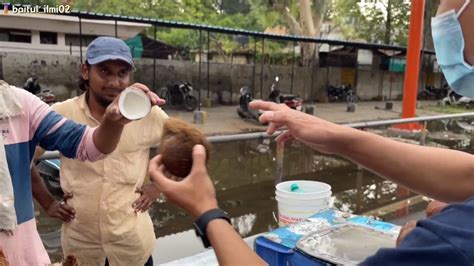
[
  {"x": 49, "y": 171},
  {"x": 47, "y": 96},
  {"x": 179, "y": 94},
  {"x": 243, "y": 110},
  {"x": 32, "y": 86},
  {"x": 341, "y": 94},
  {"x": 35, "y": 88},
  {"x": 455, "y": 99},
  {"x": 433, "y": 93},
  {"x": 291, "y": 100}
]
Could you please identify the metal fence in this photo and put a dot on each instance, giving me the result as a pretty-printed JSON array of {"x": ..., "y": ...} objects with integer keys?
[
  {"x": 280, "y": 146},
  {"x": 204, "y": 30},
  {"x": 231, "y": 31},
  {"x": 257, "y": 36}
]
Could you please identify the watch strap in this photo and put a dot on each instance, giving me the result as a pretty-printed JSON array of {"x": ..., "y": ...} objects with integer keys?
[{"x": 200, "y": 225}]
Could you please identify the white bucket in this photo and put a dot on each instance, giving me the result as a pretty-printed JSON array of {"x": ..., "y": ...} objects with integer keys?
[{"x": 293, "y": 207}]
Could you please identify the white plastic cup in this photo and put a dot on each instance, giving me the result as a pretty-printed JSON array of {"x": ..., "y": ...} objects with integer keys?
[
  {"x": 134, "y": 104},
  {"x": 294, "y": 207}
]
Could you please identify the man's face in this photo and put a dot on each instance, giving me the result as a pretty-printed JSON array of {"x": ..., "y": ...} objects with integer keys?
[
  {"x": 467, "y": 21},
  {"x": 107, "y": 80}
]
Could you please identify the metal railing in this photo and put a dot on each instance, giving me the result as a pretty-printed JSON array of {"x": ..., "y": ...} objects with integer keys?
[{"x": 280, "y": 146}]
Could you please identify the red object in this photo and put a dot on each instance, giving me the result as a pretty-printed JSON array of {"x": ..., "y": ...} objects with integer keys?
[
  {"x": 412, "y": 71},
  {"x": 294, "y": 103},
  {"x": 49, "y": 99}
]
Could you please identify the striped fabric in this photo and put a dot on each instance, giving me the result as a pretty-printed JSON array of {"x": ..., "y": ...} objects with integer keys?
[{"x": 38, "y": 125}]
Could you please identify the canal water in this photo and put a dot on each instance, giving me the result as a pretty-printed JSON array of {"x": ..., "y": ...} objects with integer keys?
[{"x": 243, "y": 173}]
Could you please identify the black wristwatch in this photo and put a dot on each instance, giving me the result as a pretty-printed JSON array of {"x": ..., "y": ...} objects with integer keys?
[{"x": 201, "y": 223}]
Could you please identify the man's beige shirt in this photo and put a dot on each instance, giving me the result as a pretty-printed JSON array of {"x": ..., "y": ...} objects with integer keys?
[{"x": 103, "y": 192}]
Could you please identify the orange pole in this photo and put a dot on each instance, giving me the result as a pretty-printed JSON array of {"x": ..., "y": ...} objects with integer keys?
[{"x": 412, "y": 71}]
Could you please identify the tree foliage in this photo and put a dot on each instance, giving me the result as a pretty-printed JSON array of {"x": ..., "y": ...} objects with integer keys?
[
  {"x": 33, "y": 2},
  {"x": 372, "y": 21},
  {"x": 225, "y": 13},
  {"x": 301, "y": 17},
  {"x": 378, "y": 21},
  {"x": 375, "y": 21}
]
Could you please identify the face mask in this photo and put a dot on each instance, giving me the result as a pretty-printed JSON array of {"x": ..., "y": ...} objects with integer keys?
[{"x": 449, "y": 46}]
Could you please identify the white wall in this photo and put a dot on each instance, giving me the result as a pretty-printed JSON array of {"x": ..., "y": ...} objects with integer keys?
[
  {"x": 61, "y": 25},
  {"x": 37, "y": 48}
]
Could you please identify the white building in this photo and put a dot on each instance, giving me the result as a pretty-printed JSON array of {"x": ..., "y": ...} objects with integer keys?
[{"x": 56, "y": 34}]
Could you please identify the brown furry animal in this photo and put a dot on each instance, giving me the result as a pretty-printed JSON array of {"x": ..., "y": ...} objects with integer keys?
[
  {"x": 3, "y": 259},
  {"x": 177, "y": 142}
]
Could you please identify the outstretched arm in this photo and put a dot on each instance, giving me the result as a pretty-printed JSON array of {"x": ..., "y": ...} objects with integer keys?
[
  {"x": 53, "y": 132},
  {"x": 443, "y": 174},
  {"x": 107, "y": 135}
]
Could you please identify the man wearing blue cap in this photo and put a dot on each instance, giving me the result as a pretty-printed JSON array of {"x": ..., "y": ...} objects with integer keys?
[{"x": 106, "y": 208}]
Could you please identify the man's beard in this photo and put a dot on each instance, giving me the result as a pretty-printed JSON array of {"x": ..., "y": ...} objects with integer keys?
[
  {"x": 101, "y": 100},
  {"x": 104, "y": 102}
]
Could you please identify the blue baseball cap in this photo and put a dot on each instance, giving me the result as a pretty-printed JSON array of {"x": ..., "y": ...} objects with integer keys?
[{"x": 108, "y": 48}]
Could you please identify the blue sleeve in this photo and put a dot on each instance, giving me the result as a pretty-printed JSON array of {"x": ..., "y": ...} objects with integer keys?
[
  {"x": 66, "y": 138},
  {"x": 445, "y": 239},
  {"x": 421, "y": 247}
]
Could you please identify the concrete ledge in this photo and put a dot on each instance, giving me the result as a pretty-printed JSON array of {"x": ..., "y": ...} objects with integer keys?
[{"x": 395, "y": 132}]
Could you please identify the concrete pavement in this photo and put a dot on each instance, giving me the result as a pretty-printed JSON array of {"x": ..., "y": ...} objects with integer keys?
[{"x": 223, "y": 120}]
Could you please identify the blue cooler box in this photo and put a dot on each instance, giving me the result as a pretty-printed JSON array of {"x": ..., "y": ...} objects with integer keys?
[
  {"x": 276, "y": 254},
  {"x": 278, "y": 247}
]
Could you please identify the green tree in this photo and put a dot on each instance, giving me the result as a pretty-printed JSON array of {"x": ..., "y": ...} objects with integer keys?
[
  {"x": 379, "y": 21},
  {"x": 34, "y": 2},
  {"x": 234, "y": 6},
  {"x": 301, "y": 17},
  {"x": 430, "y": 11},
  {"x": 223, "y": 13}
]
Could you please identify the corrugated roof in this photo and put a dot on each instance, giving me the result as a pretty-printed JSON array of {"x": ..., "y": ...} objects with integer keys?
[
  {"x": 256, "y": 34},
  {"x": 192, "y": 26}
]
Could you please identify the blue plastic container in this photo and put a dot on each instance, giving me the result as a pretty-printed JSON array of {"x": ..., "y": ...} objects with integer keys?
[{"x": 278, "y": 255}]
